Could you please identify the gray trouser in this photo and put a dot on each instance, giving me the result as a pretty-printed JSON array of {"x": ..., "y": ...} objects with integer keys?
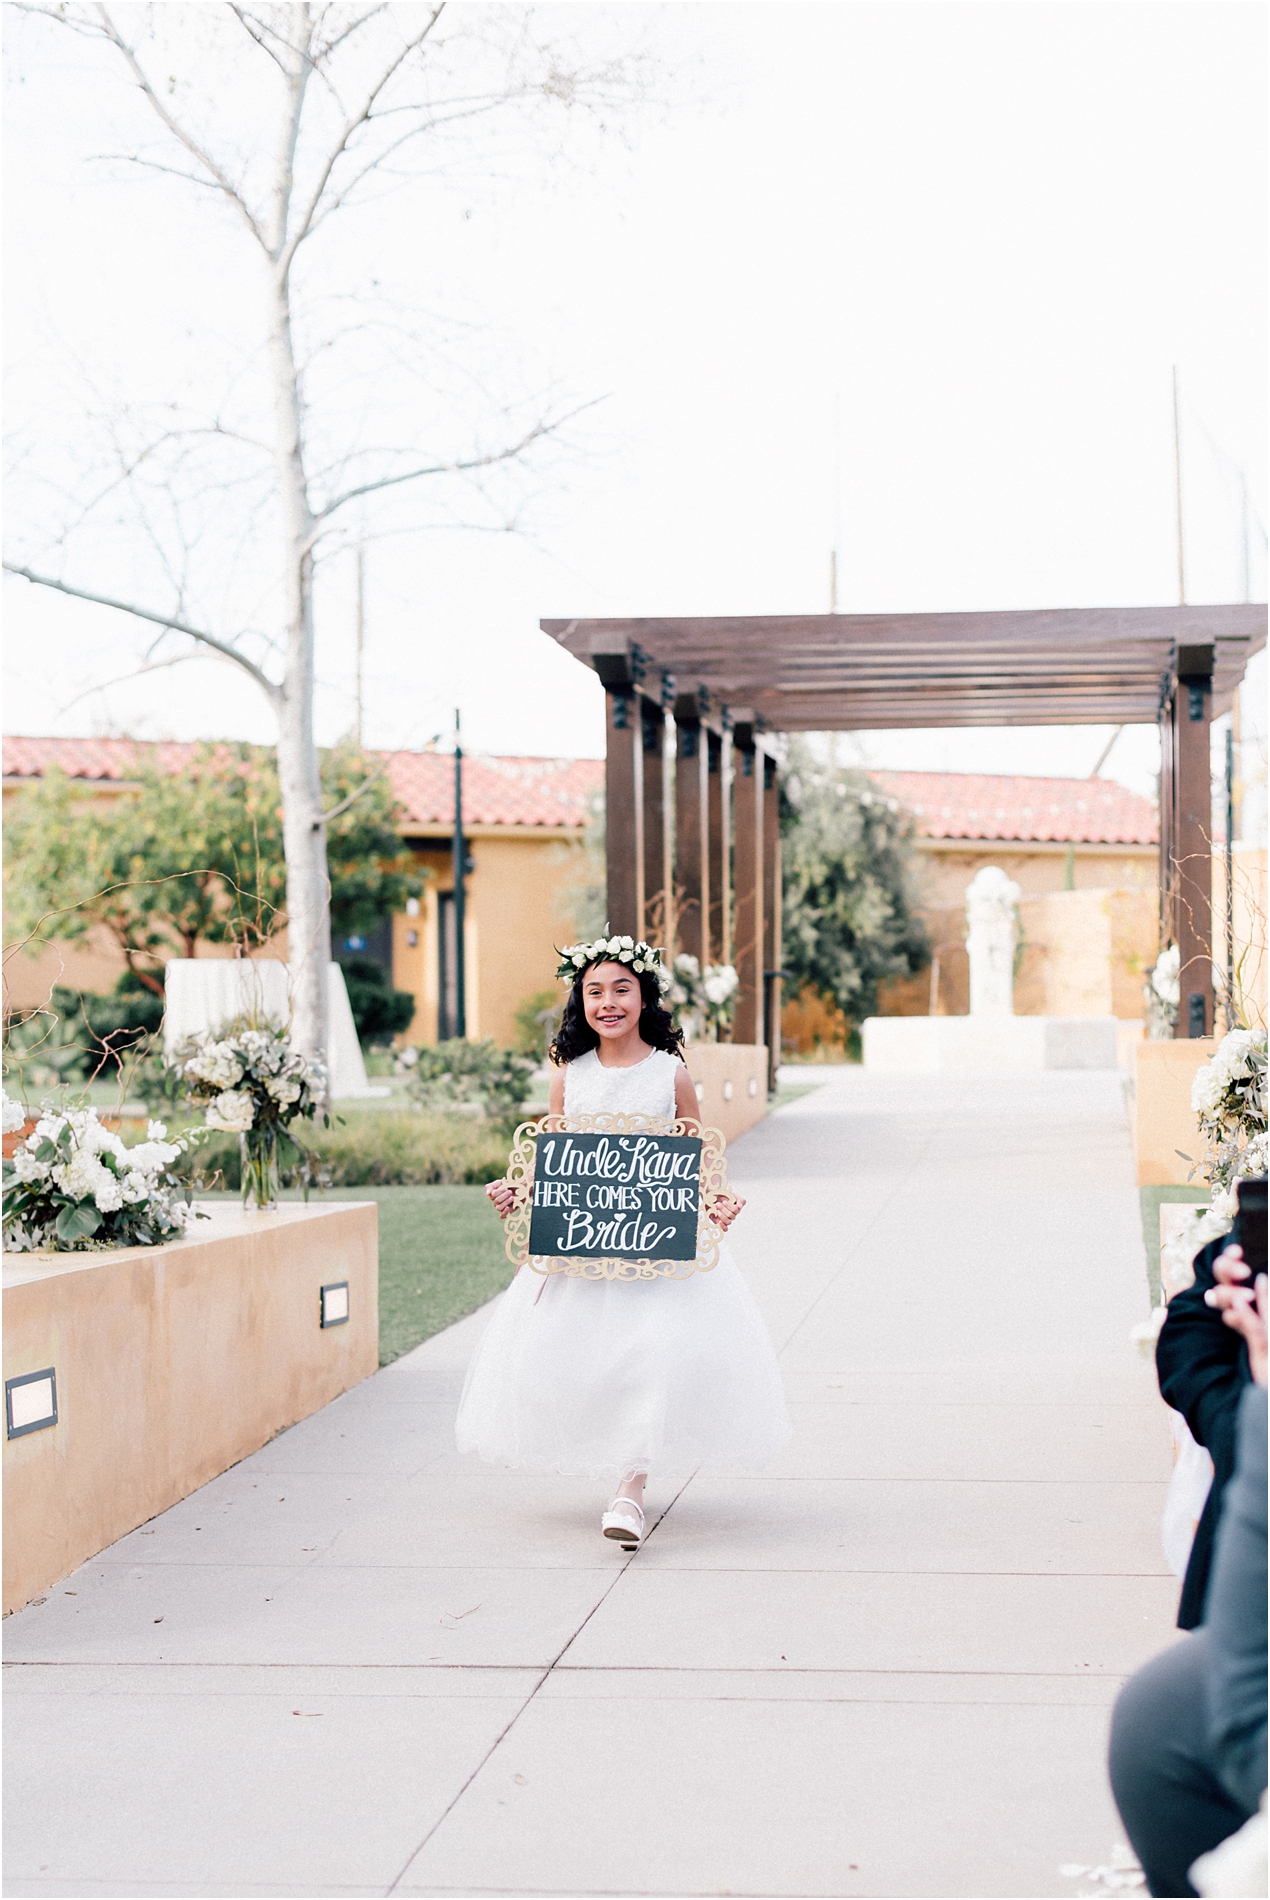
[{"x": 1172, "y": 1804}]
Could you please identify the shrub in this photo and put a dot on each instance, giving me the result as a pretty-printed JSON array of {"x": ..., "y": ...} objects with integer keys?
[
  {"x": 537, "y": 1020},
  {"x": 379, "y": 1011},
  {"x": 376, "y": 1148},
  {"x": 475, "y": 1075}
]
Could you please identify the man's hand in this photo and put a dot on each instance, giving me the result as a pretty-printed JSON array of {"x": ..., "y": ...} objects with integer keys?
[
  {"x": 503, "y": 1196},
  {"x": 1242, "y": 1307}
]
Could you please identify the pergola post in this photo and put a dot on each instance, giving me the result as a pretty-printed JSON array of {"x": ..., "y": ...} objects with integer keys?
[
  {"x": 771, "y": 919},
  {"x": 624, "y": 812},
  {"x": 716, "y": 847},
  {"x": 655, "y": 907},
  {"x": 1191, "y": 870},
  {"x": 748, "y": 946},
  {"x": 692, "y": 858}
]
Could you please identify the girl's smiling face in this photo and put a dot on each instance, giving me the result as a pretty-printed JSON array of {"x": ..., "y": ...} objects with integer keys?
[{"x": 612, "y": 1001}]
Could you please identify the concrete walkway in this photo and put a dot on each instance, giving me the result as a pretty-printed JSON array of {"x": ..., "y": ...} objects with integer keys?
[{"x": 358, "y": 1664}]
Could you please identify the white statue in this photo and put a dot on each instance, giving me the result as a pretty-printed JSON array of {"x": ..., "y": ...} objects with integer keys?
[{"x": 991, "y": 934}]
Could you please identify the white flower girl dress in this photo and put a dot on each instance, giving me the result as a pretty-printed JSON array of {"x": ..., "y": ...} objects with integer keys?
[{"x": 602, "y": 1376}]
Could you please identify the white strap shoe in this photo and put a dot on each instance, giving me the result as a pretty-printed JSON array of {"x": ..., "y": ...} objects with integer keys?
[{"x": 624, "y": 1520}]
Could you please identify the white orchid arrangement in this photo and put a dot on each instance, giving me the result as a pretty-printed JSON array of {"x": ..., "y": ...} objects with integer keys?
[
  {"x": 640, "y": 956},
  {"x": 1162, "y": 993},
  {"x": 72, "y": 1186},
  {"x": 704, "y": 1000},
  {"x": 248, "y": 1078}
]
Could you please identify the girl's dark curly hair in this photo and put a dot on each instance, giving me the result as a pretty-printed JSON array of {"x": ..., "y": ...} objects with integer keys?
[{"x": 656, "y": 1025}]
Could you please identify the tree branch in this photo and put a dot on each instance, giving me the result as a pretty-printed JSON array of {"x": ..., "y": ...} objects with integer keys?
[
  {"x": 222, "y": 647},
  {"x": 536, "y": 434},
  {"x": 205, "y": 159},
  {"x": 353, "y": 797},
  {"x": 350, "y": 127}
]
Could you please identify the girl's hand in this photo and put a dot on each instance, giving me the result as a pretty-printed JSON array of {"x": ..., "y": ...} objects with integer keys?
[
  {"x": 503, "y": 1196},
  {"x": 724, "y": 1211}
]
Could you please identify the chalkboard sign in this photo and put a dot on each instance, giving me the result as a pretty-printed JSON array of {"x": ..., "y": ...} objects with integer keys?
[
  {"x": 619, "y": 1197},
  {"x": 607, "y": 1196}
]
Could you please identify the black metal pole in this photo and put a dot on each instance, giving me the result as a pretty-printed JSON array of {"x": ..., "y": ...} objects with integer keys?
[{"x": 460, "y": 865}]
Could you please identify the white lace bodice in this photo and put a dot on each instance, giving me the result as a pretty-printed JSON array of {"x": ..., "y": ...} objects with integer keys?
[{"x": 646, "y": 1088}]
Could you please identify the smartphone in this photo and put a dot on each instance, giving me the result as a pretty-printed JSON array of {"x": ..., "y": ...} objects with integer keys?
[{"x": 1249, "y": 1229}]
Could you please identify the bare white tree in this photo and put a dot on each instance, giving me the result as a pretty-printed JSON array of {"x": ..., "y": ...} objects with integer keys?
[{"x": 287, "y": 118}]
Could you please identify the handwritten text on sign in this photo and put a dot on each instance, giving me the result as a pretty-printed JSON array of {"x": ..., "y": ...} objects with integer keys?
[{"x": 625, "y": 1197}]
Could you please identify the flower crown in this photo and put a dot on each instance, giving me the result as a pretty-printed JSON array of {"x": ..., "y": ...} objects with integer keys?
[{"x": 641, "y": 956}]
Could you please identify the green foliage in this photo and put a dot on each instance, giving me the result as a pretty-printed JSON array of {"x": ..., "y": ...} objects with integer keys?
[
  {"x": 379, "y": 1011},
  {"x": 116, "y": 1028},
  {"x": 475, "y": 1075},
  {"x": 849, "y": 922},
  {"x": 195, "y": 854},
  {"x": 372, "y": 873},
  {"x": 43, "y": 1054},
  {"x": 379, "y": 1147},
  {"x": 537, "y": 1020}
]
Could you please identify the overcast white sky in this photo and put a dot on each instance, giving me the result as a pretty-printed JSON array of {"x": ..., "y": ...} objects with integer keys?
[{"x": 984, "y": 232}]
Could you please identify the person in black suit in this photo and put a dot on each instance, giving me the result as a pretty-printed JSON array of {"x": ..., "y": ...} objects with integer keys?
[
  {"x": 1187, "y": 1757},
  {"x": 1202, "y": 1366}
]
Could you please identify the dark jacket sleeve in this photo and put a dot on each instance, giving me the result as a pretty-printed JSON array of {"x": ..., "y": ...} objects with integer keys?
[
  {"x": 1203, "y": 1369},
  {"x": 1235, "y": 1616}
]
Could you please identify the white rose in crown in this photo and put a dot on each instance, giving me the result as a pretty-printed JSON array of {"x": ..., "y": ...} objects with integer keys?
[{"x": 641, "y": 956}]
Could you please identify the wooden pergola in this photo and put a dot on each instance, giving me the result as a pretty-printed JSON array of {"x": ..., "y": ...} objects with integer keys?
[{"x": 708, "y": 692}]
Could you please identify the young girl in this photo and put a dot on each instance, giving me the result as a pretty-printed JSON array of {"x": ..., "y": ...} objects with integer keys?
[{"x": 605, "y": 1377}]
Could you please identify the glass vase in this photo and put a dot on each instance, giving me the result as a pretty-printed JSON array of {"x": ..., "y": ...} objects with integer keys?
[{"x": 259, "y": 1148}]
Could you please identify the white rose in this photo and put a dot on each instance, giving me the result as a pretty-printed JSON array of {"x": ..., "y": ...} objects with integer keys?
[
  {"x": 627, "y": 943},
  {"x": 1224, "y": 1204},
  {"x": 14, "y": 1115},
  {"x": 283, "y": 1089},
  {"x": 579, "y": 957},
  {"x": 134, "y": 1187},
  {"x": 233, "y": 1112},
  {"x": 639, "y": 964}
]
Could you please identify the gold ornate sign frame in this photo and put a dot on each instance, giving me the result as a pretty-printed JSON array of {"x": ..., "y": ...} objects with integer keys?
[{"x": 520, "y": 1178}]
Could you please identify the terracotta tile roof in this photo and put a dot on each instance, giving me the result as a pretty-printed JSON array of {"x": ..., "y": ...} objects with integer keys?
[
  {"x": 87, "y": 758},
  {"x": 994, "y": 807},
  {"x": 529, "y": 791},
  {"x": 495, "y": 791}
]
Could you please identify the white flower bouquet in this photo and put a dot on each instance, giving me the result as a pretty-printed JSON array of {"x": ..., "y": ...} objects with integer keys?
[
  {"x": 250, "y": 1082},
  {"x": 73, "y": 1187},
  {"x": 1229, "y": 1097},
  {"x": 704, "y": 1000}
]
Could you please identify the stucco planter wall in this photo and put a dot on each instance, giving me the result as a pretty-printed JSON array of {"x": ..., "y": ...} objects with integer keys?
[
  {"x": 172, "y": 1363},
  {"x": 731, "y": 1083},
  {"x": 1161, "y": 1115}
]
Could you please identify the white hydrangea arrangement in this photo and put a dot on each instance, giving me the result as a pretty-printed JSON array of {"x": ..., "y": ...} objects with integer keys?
[
  {"x": 247, "y": 1077},
  {"x": 73, "y": 1186},
  {"x": 250, "y": 1082},
  {"x": 704, "y": 1000},
  {"x": 1229, "y": 1097}
]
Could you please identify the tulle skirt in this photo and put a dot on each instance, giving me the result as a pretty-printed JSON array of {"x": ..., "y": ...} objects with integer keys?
[{"x": 597, "y": 1377}]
